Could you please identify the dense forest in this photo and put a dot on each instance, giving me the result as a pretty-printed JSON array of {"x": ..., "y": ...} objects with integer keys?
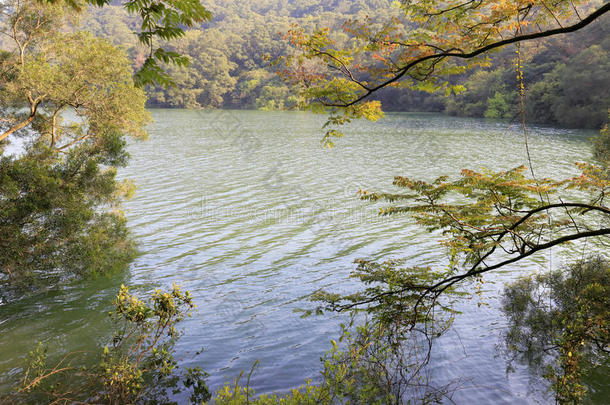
[{"x": 231, "y": 59}]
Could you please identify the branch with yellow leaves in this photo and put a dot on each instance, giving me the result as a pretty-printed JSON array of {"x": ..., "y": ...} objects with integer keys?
[{"x": 490, "y": 221}]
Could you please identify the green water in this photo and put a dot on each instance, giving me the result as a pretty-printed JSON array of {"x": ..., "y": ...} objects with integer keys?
[{"x": 249, "y": 213}]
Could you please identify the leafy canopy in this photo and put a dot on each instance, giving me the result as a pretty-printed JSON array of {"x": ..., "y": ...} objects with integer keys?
[
  {"x": 489, "y": 220},
  {"x": 160, "y": 20},
  {"x": 69, "y": 100},
  {"x": 419, "y": 48}
]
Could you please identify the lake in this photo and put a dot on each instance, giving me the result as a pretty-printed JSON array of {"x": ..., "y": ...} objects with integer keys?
[{"x": 249, "y": 213}]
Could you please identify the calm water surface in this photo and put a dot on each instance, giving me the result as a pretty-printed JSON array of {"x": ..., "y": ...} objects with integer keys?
[{"x": 250, "y": 214}]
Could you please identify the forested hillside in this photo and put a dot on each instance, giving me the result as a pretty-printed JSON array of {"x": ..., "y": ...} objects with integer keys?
[
  {"x": 566, "y": 81},
  {"x": 566, "y": 78}
]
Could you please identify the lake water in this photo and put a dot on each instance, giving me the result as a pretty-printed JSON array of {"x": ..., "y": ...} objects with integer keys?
[{"x": 250, "y": 214}]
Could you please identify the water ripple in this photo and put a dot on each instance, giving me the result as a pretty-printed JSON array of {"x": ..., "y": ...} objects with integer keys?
[{"x": 250, "y": 214}]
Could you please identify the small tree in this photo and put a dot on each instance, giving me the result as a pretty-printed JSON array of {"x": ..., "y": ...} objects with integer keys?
[
  {"x": 68, "y": 100},
  {"x": 136, "y": 367},
  {"x": 560, "y": 322}
]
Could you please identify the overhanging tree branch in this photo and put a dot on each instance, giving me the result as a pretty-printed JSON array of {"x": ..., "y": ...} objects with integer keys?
[
  {"x": 443, "y": 285},
  {"x": 22, "y": 124},
  {"x": 452, "y": 54},
  {"x": 434, "y": 290}
]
